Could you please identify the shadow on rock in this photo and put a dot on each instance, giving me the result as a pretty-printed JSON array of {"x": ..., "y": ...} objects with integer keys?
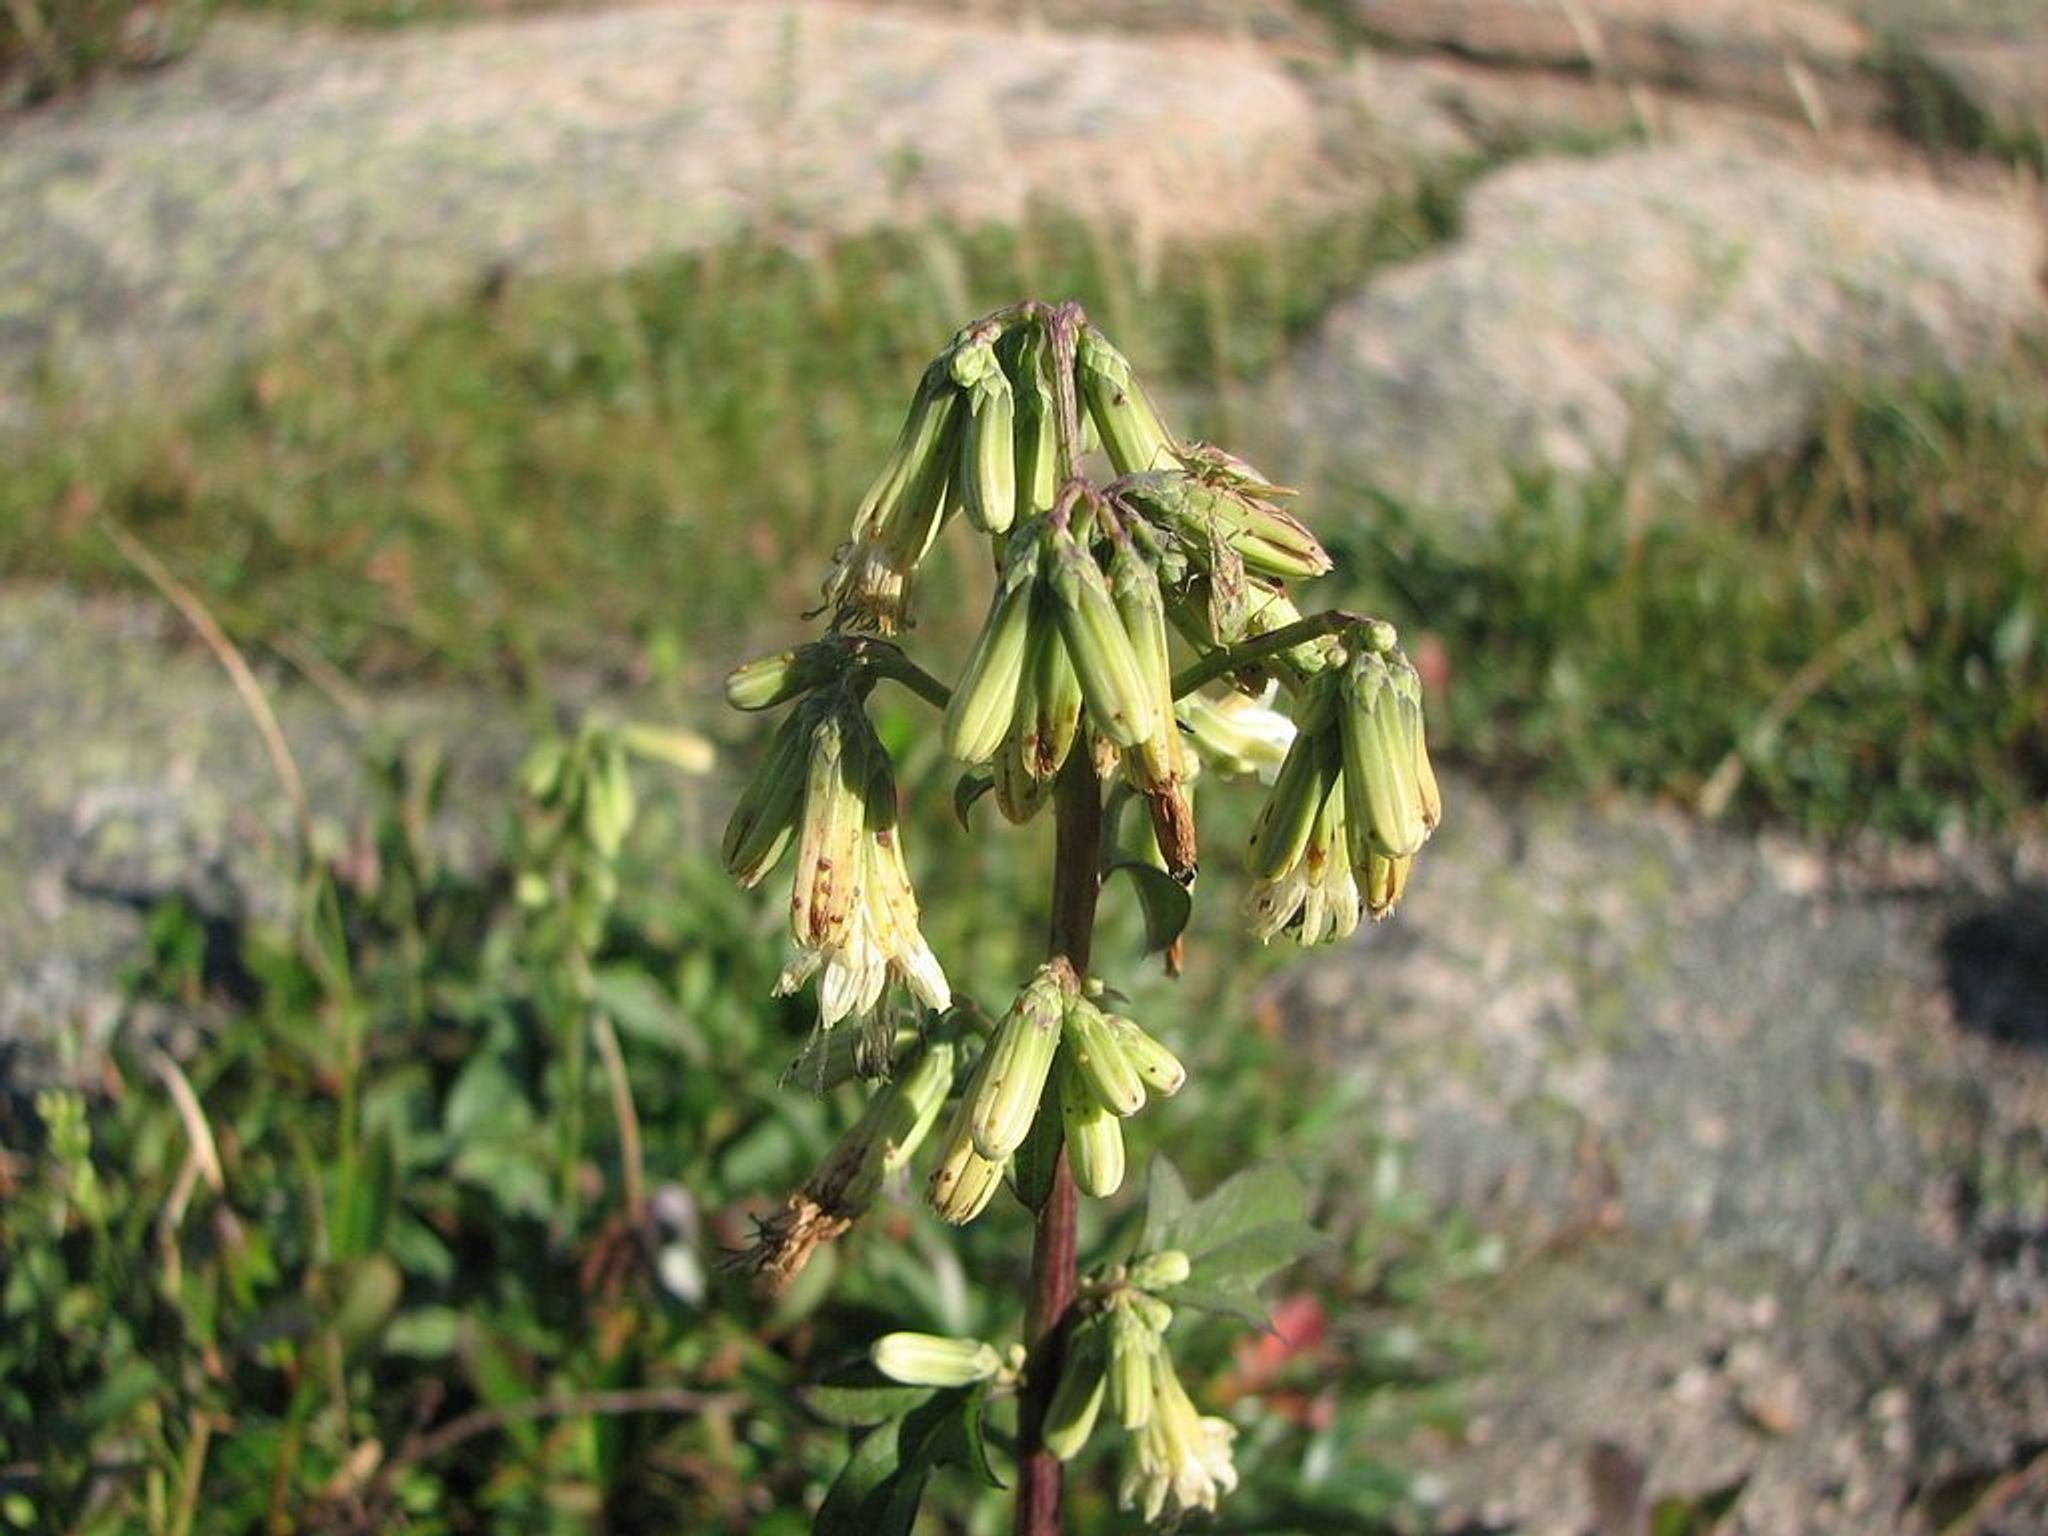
[{"x": 1995, "y": 963}]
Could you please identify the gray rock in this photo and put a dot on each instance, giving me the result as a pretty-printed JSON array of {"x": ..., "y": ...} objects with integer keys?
[
  {"x": 1504, "y": 111},
  {"x": 1788, "y": 56},
  {"x": 154, "y": 226},
  {"x": 1668, "y": 310},
  {"x": 130, "y": 772},
  {"x": 1763, "y": 1156}
]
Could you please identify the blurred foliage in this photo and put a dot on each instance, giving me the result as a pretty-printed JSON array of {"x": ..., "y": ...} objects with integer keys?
[
  {"x": 390, "y": 1276},
  {"x": 47, "y": 46},
  {"x": 391, "y": 13},
  {"x": 1931, "y": 107}
]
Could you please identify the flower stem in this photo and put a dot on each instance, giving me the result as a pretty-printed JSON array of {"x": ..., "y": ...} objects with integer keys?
[
  {"x": 1235, "y": 658},
  {"x": 887, "y": 661},
  {"x": 1077, "y": 881}
]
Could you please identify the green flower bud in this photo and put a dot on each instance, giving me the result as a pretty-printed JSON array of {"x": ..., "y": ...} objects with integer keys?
[
  {"x": 1132, "y": 1345},
  {"x": 1158, "y": 1271},
  {"x": 963, "y": 1181},
  {"x": 1100, "y": 1060},
  {"x": 930, "y": 1360},
  {"x": 1151, "y": 1311},
  {"x": 1378, "y": 724},
  {"x": 1077, "y": 1400},
  {"x": 1011, "y": 1077},
  {"x": 1157, "y": 1067},
  {"x": 1118, "y": 408},
  {"x": 1094, "y": 1136}
]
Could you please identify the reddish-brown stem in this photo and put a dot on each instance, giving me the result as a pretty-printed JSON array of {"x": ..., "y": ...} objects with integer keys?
[{"x": 1077, "y": 866}]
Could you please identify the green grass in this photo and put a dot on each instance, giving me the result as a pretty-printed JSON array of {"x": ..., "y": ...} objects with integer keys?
[
  {"x": 1853, "y": 638},
  {"x": 1930, "y": 107},
  {"x": 49, "y": 46},
  {"x": 574, "y": 470},
  {"x": 395, "y": 13}
]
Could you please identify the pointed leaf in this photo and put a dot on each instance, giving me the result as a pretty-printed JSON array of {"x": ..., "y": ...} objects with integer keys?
[
  {"x": 1166, "y": 903},
  {"x": 1261, "y": 1195},
  {"x": 1237, "y": 1237},
  {"x": 1252, "y": 1257},
  {"x": 974, "y": 1442},
  {"x": 363, "y": 1208},
  {"x": 1166, "y": 1206},
  {"x": 878, "y": 1491},
  {"x": 970, "y": 788},
  {"x": 857, "y": 1395},
  {"x": 1032, "y": 1164},
  {"x": 859, "y": 1497},
  {"x": 643, "y": 1011},
  {"x": 1235, "y": 1300}
]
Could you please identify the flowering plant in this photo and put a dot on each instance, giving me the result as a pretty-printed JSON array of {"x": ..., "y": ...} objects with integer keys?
[{"x": 1070, "y": 697}]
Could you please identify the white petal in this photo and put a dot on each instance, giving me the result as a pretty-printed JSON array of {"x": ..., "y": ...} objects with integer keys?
[
  {"x": 801, "y": 968},
  {"x": 838, "y": 990},
  {"x": 1345, "y": 903},
  {"x": 921, "y": 972}
]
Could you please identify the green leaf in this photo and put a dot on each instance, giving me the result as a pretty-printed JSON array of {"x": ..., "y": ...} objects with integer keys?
[
  {"x": 128, "y": 1384},
  {"x": 970, "y": 788},
  {"x": 363, "y": 1205},
  {"x": 975, "y": 1442},
  {"x": 860, "y": 1496},
  {"x": 878, "y": 1490},
  {"x": 1701, "y": 1515},
  {"x": 643, "y": 1011},
  {"x": 365, "y": 1293},
  {"x": 1031, "y": 1169},
  {"x": 1236, "y": 1300},
  {"x": 486, "y": 1100},
  {"x": 1166, "y": 1206},
  {"x": 501, "y": 1382},
  {"x": 1236, "y": 1237},
  {"x": 1261, "y": 1195},
  {"x": 424, "y": 1333},
  {"x": 858, "y": 1395},
  {"x": 419, "y": 1249},
  {"x": 1250, "y": 1257},
  {"x": 1166, "y": 903},
  {"x": 510, "y": 1171}
]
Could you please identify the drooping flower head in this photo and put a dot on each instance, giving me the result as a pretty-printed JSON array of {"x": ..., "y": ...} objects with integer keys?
[
  {"x": 827, "y": 790},
  {"x": 1178, "y": 1460}
]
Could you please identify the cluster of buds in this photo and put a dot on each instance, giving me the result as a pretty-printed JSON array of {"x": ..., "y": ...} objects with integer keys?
[
  {"x": 1176, "y": 1459},
  {"x": 579, "y": 808},
  {"x": 1076, "y": 629},
  {"x": 1102, "y": 1068},
  {"x": 1090, "y": 582},
  {"x": 980, "y": 440},
  {"x": 1353, "y": 802},
  {"x": 827, "y": 791}
]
